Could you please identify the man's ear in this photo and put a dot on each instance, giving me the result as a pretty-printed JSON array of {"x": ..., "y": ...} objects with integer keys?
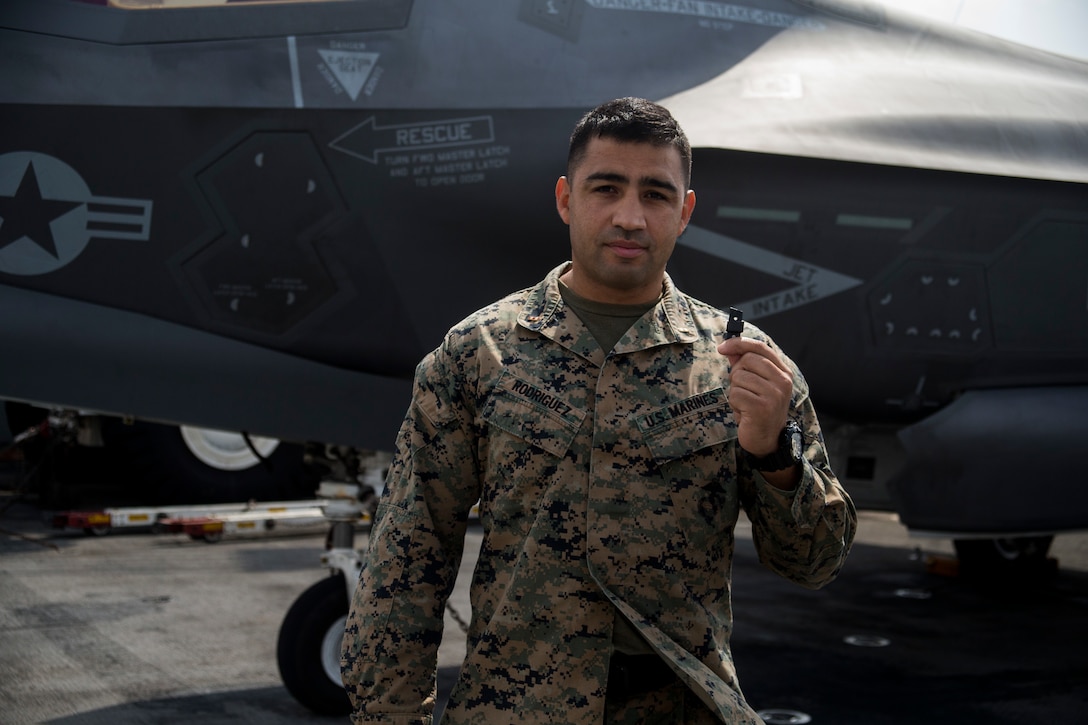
[
  {"x": 562, "y": 199},
  {"x": 688, "y": 208}
]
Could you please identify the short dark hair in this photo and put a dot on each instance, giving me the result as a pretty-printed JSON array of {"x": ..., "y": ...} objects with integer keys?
[{"x": 633, "y": 120}]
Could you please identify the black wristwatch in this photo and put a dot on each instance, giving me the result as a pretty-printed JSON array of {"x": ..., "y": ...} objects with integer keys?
[{"x": 788, "y": 454}]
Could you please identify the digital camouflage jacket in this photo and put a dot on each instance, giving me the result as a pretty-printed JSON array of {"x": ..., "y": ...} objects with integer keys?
[{"x": 605, "y": 480}]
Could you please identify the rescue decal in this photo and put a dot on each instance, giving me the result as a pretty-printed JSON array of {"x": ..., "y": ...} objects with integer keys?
[
  {"x": 812, "y": 283},
  {"x": 368, "y": 140},
  {"x": 48, "y": 214},
  {"x": 449, "y": 152}
]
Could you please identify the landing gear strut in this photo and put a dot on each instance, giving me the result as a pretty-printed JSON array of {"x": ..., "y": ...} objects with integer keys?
[{"x": 308, "y": 648}]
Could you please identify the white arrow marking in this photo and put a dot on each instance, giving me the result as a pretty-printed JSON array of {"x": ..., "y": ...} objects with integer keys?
[{"x": 813, "y": 283}]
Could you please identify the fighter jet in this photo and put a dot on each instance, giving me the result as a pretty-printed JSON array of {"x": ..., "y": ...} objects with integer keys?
[{"x": 257, "y": 217}]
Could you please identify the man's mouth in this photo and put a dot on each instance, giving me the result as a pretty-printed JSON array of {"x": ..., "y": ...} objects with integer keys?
[{"x": 627, "y": 250}]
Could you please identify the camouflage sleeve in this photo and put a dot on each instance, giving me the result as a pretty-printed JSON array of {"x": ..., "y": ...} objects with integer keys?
[
  {"x": 803, "y": 534},
  {"x": 394, "y": 627}
]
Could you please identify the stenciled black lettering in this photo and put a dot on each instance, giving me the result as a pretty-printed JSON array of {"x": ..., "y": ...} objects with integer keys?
[
  {"x": 692, "y": 404},
  {"x": 538, "y": 396},
  {"x": 655, "y": 418}
]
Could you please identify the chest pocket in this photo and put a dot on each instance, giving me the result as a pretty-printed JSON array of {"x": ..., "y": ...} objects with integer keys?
[
  {"x": 687, "y": 426},
  {"x": 536, "y": 416}
]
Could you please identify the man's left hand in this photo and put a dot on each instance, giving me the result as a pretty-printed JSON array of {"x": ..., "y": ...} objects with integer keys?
[{"x": 761, "y": 386}]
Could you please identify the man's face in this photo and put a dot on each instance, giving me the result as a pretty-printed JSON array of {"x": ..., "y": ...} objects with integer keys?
[{"x": 625, "y": 203}]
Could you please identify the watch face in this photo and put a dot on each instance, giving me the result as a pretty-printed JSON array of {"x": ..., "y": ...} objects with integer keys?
[{"x": 796, "y": 445}]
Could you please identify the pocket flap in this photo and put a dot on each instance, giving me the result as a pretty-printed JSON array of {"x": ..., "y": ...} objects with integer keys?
[
  {"x": 689, "y": 425},
  {"x": 528, "y": 411}
]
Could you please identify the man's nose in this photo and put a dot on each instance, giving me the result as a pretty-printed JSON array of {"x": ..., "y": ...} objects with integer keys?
[{"x": 628, "y": 213}]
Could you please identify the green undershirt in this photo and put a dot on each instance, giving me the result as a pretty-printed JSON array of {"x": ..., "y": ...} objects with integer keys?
[{"x": 608, "y": 323}]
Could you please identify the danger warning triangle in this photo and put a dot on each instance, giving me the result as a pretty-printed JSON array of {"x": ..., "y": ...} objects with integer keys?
[{"x": 351, "y": 68}]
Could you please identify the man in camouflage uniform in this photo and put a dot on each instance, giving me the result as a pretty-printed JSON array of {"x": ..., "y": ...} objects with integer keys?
[{"x": 611, "y": 435}]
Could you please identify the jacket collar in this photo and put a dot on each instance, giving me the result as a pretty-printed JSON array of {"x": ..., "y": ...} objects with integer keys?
[{"x": 669, "y": 322}]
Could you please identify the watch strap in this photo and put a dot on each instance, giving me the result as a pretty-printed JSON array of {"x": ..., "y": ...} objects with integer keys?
[{"x": 787, "y": 455}]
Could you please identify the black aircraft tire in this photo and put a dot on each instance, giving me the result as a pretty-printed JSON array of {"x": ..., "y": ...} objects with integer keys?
[
  {"x": 315, "y": 620},
  {"x": 1016, "y": 555},
  {"x": 158, "y": 467}
]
